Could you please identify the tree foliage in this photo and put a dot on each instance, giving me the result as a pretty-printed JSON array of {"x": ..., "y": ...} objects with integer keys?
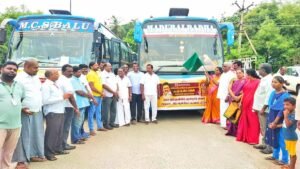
[
  {"x": 274, "y": 29},
  {"x": 124, "y": 32},
  {"x": 13, "y": 13}
]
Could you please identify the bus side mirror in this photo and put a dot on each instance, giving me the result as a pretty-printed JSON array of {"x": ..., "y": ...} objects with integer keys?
[
  {"x": 230, "y": 32},
  {"x": 2, "y": 36},
  {"x": 138, "y": 32}
]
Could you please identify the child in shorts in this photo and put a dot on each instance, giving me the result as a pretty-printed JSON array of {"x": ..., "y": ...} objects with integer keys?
[{"x": 289, "y": 130}]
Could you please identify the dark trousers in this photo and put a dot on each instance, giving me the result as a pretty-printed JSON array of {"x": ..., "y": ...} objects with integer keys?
[
  {"x": 54, "y": 133},
  {"x": 109, "y": 105},
  {"x": 136, "y": 107},
  {"x": 69, "y": 113}
]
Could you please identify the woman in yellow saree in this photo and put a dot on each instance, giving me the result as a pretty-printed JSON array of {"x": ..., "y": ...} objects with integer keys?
[{"x": 212, "y": 111}]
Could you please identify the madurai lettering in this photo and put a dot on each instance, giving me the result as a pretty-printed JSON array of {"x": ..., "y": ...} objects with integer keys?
[{"x": 180, "y": 28}]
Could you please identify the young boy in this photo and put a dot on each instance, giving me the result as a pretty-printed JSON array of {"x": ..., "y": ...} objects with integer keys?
[{"x": 289, "y": 130}]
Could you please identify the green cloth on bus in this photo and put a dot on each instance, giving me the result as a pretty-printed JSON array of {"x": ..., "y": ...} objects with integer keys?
[{"x": 193, "y": 63}]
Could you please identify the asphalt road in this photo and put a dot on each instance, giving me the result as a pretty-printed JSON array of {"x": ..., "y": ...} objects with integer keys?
[{"x": 179, "y": 141}]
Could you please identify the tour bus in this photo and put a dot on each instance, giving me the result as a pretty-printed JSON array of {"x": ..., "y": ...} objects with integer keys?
[
  {"x": 60, "y": 38},
  {"x": 167, "y": 42}
]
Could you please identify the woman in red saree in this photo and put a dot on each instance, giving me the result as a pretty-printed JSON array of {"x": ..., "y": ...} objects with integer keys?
[
  {"x": 212, "y": 111},
  {"x": 248, "y": 129}
]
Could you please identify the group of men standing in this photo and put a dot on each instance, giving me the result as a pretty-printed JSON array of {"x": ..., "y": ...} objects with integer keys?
[{"x": 63, "y": 100}]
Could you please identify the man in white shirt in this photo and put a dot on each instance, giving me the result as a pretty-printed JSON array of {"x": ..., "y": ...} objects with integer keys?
[
  {"x": 222, "y": 94},
  {"x": 260, "y": 102},
  {"x": 53, "y": 108},
  {"x": 282, "y": 72},
  {"x": 30, "y": 146},
  {"x": 124, "y": 93},
  {"x": 136, "y": 105},
  {"x": 84, "y": 71},
  {"x": 64, "y": 82},
  {"x": 149, "y": 89},
  {"x": 126, "y": 69},
  {"x": 110, "y": 97}
]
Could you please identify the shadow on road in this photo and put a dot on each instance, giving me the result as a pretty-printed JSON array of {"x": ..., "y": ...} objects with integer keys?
[{"x": 183, "y": 114}]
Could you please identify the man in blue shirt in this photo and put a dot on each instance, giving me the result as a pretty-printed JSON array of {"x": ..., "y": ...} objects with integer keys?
[{"x": 82, "y": 96}]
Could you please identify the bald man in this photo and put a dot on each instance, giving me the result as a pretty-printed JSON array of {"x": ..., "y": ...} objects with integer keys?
[
  {"x": 224, "y": 81},
  {"x": 30, "y": 146},
  {"x": 53, "y": 107}
]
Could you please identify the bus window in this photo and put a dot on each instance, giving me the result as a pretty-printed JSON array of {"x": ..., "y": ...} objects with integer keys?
[
  {"x": 116, "y": 52},
  {"x": 107, "y": 53}
]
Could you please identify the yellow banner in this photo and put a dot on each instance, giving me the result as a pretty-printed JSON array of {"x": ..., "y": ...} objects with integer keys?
[{"x": 182, "y": 92}]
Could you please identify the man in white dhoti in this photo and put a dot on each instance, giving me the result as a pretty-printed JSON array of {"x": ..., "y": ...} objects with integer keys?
[
  {"x": 124, "y": 93},
  {"x": 224, "y": 81},
  {"x": 30, "y": 146}
]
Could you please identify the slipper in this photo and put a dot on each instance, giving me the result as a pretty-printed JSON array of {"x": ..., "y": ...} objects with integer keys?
[
  {"x": 270, "y": 158},
  {"x": 278, "y": 163},
  {"x": 79, "y": 142},
  {"x": 21, "y": 166},
  {"x": 37, "y": 159}
]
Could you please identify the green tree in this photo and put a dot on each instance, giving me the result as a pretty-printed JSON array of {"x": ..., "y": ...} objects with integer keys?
[
  {"x": 13, "y": 13},
  {"x": 271, "y": 45},
  {"x": 129, "y": 30},
  {"x": 115, "y": 27},
  {"x": 275, "y": 32}
]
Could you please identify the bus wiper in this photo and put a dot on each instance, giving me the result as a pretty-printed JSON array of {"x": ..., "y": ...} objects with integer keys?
[
  {"x": 20, "y": 40},
  {"x": 48, "y": 62},
  {"x": 146, "y": 44},
  {"x": 215, "y": 46},
  {"x": 163, "y": 66}
]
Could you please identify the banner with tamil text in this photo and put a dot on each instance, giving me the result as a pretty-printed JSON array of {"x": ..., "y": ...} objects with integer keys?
[{"x": 182, "y": 92}]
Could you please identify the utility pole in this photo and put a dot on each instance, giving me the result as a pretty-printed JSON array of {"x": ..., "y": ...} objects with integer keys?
[
  {"x": 70, "y": 6},
  {"x": 242, "y": 9}
]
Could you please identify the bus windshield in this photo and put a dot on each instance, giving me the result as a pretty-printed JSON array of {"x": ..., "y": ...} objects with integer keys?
[
  {"x": 52, "y": 48},
  {"x": 168, "y": 44}
]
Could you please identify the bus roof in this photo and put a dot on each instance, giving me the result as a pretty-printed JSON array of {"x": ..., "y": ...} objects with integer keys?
[
  {"x": 55, "y": 17},
  {"x": 170, "y": 18}
]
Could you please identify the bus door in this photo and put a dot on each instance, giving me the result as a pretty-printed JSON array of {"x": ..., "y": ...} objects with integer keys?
[{"x": 115, "y": 59}]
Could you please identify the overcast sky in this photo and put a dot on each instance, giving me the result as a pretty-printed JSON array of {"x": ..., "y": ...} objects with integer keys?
[{"x": 130, "y": 9}]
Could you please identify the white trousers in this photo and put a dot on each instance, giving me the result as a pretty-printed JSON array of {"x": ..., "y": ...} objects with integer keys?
[
  {"x": 123, "y": 112},
  {"x": 223, "y": 107},
  {"x": 150, "y": 100}
]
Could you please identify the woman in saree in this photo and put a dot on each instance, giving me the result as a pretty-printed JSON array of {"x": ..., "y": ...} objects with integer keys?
[
  {"x": 212, "y": 111},
  {"x": 235, "y": 94},
  {"x": 274, "y": 135},
  {"x": 248, "y": 128}
]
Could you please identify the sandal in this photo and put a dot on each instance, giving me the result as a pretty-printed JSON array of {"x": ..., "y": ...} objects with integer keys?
[
  {"x": 279, "y": 163},
  {"x": 37, "y": 159},
  {"x": 21, "y": 166},
  {"x": 270, "y": 158},
  {"x": 79, "y": 142}
]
